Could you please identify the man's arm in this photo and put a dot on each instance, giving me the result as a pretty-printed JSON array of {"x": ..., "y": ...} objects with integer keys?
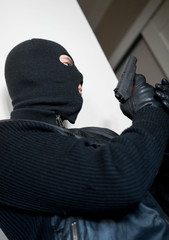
[{"x": 47, "y": 170}]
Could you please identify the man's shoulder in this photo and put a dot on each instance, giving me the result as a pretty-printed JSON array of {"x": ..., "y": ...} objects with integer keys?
[
  {"x": 96, "y": 134},
  {"x": 27, "y": 125}
]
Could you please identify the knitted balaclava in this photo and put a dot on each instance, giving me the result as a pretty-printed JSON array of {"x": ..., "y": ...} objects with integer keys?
[{"x": 39, "y": 85}]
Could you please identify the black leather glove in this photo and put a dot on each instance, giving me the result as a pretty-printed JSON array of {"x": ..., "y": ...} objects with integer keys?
[
  {"x": 143, "y": 95},
  {"x": 162, "y": 93}
]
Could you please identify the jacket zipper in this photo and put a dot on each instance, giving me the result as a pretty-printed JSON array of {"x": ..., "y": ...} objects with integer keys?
[{"x": 74, "y": 231}]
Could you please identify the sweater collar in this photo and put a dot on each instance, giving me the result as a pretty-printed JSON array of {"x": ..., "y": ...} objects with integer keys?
[{"x": 38, "y": 115}]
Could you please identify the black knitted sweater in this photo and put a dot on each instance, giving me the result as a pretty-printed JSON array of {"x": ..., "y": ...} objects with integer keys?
[{"x": 47, "y": 170}]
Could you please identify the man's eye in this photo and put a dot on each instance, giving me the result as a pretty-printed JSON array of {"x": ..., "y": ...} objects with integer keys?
[{"x": 67, "y": 64}]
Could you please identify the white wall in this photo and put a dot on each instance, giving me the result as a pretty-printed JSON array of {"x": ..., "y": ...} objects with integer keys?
[
  {"x": 2, "y": 236},
  {"x": 63, "y": 21}
]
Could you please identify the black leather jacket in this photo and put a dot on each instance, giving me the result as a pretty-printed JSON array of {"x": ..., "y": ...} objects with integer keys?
[{"x": 146, "y": 221}]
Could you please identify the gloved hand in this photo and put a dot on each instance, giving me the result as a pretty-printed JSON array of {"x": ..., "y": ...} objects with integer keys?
[
  {"x": 162, "y": 93},
  {"x": 143, "y": 95}
]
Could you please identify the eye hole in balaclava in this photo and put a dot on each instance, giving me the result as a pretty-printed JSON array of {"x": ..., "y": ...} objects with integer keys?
[
  {"x": 65, "y": 59},
  {"x": 38, "y": 81}
]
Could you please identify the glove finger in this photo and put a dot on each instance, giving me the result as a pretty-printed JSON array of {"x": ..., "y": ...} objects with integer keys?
[
  {"x": 162, "y": 95},
  {"x": 164, "y": 81},
  {"x": 159, "y": 94},
  {"x": 127, "y": 109},
  {"x": 166, "y": 104},
  {"x": 159, "y": 86},
  {"x": 139, "y": 79},
  {"x": 166, "y": 97}
]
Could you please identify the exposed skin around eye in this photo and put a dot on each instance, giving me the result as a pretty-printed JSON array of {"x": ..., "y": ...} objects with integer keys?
[
  {"x": 66, "y": 60},
  {"x": 80, "y": 89}
]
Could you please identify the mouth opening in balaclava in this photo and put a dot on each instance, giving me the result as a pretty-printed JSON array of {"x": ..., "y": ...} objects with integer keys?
[{"x": 39, "y": 85}]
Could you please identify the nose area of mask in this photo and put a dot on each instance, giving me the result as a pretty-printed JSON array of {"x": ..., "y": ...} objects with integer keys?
[{"x": 36, "y": 77}]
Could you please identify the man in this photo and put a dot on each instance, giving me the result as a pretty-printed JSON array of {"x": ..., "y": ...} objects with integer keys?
[{"x": 53, "y": 179}]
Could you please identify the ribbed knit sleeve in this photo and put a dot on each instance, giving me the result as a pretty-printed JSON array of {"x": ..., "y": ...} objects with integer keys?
[{"x": 44, "y": 169}]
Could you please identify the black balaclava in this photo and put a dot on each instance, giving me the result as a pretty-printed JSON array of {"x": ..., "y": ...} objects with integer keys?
[{"x": 40, "y": 86}]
